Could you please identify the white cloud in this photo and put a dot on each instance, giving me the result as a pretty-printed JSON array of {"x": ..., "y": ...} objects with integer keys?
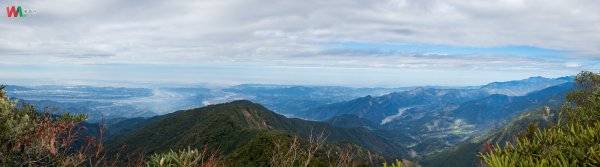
[{"x": 292, "y": 33}]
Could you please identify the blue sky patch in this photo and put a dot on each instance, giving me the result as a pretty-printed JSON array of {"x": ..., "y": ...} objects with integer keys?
[{"x": 526, "y": 51}]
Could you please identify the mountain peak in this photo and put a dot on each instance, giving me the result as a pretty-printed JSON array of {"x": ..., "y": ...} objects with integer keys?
[
  {"x": 248, "y": 114},
  {"x": 236, "y": 105},
  {"x": 417, "y": 90},
  {"x": 245, "y": 102},
  {"x": 524, "y": 86},
  {"x": 567, "y": 78}
]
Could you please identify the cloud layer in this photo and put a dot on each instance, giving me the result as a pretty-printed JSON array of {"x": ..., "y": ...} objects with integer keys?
[{"x": 300, "y": 33}]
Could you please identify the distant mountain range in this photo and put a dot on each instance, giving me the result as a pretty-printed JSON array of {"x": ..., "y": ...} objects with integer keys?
[
  {"x": 376, "y": 109},
  {"x": 439, "y": 118},
  {"x": 522, "y": 87},
  {"x": 293, "y": 100},
  {"x": 386, "y": 108},
  {"x": 115, "y": 102},
  {"x": 493, "y": 108},
  {"x": 289, "y": 100}
]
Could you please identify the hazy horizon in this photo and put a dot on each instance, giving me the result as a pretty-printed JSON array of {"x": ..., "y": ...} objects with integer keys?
[{"x": 154, "y": 84}]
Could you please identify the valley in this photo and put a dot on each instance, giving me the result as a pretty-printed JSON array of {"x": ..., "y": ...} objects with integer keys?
[{"x": 412, "y": 123}]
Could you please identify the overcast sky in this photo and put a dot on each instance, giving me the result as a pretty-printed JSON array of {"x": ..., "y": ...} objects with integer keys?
[{"x": 317, "y": 42}]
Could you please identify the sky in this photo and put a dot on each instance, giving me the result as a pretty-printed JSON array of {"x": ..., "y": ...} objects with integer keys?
[{"x": 356, "y": 43}]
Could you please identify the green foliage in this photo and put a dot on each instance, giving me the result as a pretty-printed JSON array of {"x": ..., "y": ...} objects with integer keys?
[
  {"x": 29, "y": 138},
  {"x": 186, "y": 157},
  {"x": 398, "y": 163},
  {"x": 463, "y": 154},
  {"x": 272, "y": 149},
  {"x": 295, "y": 153},
  {"x": 574, "y": 140},
  {"x": 576, "y": 145},
  {"x": 15, "y": 122},
  {"x": 259, "y": 150},
  {"x": 277, "y": 148}
]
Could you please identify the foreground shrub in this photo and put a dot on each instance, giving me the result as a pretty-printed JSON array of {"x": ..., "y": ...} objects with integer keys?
[
  {"x": 573, "y": 140},
  {"x": 398, "y": 163},
  {"x": 186, "y": 157},
  {"x": 30, "y": 138},
  {"x": 294, "y": 153}
]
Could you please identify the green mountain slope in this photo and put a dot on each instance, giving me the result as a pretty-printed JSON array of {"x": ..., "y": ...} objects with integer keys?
[
  {"x": 235, "y": 126},
  {"x": 466, "y": 153},
  {"x": 351, "y": 121}
]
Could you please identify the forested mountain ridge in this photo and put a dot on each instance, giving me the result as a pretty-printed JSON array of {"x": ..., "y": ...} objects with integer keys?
[{"x": 231, "y": 126}]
